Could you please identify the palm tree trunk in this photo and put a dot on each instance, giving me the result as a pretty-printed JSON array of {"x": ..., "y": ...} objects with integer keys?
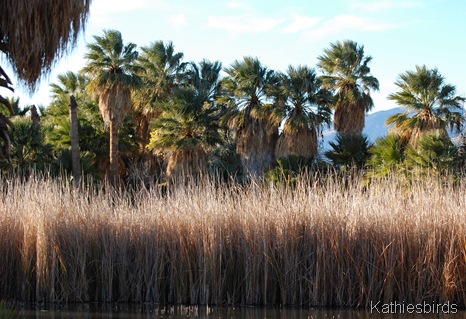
[
  {"x": 349, "y": 119},
  {"x": 75, "y": 158},
  {"x": 256, "y": 146},
  {"x": 113, "y": 173},
  {"x": 301, "y": 142}
]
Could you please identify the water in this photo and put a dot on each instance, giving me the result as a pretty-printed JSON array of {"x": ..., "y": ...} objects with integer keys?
[{"x": 146, "y": 312}]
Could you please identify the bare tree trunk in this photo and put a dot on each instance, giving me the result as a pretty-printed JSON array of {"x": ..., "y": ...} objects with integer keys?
[
  {"x": 113, "y": 173},
  {"x": 34, "y": 116},
  {"x": 75, "y": 157}
]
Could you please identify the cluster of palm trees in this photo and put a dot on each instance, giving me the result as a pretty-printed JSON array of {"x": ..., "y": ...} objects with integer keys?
[
  {"x": 189, "y": 110},
  {"x": 156, "y": 106}
]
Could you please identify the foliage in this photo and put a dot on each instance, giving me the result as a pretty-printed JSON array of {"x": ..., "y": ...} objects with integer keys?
[
  {"x": 161, "y": 69},
  {"x": 246, "y": 91},
  {"x": 188, "y": 126},
  {"x": 434, "y": 151},
  {"x": 387, "y": 156},
  {"x": 30, "y": 151},
  {"x": 225, "y": 163},
  {"x": 349, "y": 150},
  {"x": 188, "y": 121},
  {"x": 7, "y": 312},
  {"x": 306, "y": 102},
  {"x": 288, "y": 169},
  {"x": 6, "y": 106}
]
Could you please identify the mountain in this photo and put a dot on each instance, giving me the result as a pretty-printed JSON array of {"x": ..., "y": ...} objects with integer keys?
[{"x": 375, "y": 127}]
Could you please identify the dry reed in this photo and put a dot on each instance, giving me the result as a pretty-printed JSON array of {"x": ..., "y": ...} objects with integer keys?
[{"x": 326, "y": 245}]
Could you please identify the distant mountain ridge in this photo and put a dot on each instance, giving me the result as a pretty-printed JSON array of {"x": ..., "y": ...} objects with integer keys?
[{"x": 374, "y": 127}]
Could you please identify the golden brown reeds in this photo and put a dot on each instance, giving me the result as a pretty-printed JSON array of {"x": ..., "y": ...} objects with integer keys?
[{"x": 326, "y": 245}]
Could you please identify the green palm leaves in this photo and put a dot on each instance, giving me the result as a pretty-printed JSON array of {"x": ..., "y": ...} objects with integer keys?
[
  {"x": 247, "y": 89},
  {"x": 113, "y": 74},
  {"x": 347, "y": 73},
  {"x": 188, "y": 121},
  {"x": 430, "y": 103}
]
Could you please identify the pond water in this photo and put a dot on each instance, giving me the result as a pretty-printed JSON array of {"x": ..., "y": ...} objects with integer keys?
[{"x": 146, "y": 312}]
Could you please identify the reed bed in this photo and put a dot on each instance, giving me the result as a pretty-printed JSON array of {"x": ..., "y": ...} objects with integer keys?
[{"x": 326, "y": 244}]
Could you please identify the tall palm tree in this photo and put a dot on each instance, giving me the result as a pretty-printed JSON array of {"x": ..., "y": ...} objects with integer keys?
[
  {"x": 71, "y": 90},
  {"x": 347, "y": 73},
  {"x": 248, "y": 98},
  {"x": 188, "y": 126},
  {"x": 162, "y": 69},
  {"x": 113, "y": 74},
  {"x": 70, "y": 85},
  {"x": 430, "y": 104},
  {"x": 306, "y": 110}
]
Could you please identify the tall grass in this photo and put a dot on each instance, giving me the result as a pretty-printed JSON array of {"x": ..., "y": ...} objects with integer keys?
[{"x": 322, "y": 245}]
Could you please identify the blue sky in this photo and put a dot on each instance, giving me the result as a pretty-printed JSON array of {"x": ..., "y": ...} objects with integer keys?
[{"x": 398, "y": 34}]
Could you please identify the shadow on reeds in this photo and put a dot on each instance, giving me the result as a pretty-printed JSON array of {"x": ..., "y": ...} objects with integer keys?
[{"x": 325, "y": 244}]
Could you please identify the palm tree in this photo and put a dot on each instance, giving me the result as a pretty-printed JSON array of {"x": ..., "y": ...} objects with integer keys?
[
  {"x": 306, "y": 109},
  {"x": 162, "y": 69},
  {"x": 113, "y": 74},
  {"x": 347, "y": 73},
  {"x": 430, "y": 104},
  {"x": 247, "y": 96},
  {"x": 188, "y": 126}
]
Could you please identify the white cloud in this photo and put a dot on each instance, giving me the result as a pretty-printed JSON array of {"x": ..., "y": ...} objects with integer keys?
[
  {"x": 178, "y": 20},
  {"x": 301, "y": 23},
  {"x": 346, "y": 22},
  {"x": 242, "y": 24},
  {"x": 380, "y": 5}
]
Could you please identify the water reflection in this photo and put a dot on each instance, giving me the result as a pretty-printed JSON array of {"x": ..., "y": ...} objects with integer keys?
[{"x": 145, "y": 312}]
